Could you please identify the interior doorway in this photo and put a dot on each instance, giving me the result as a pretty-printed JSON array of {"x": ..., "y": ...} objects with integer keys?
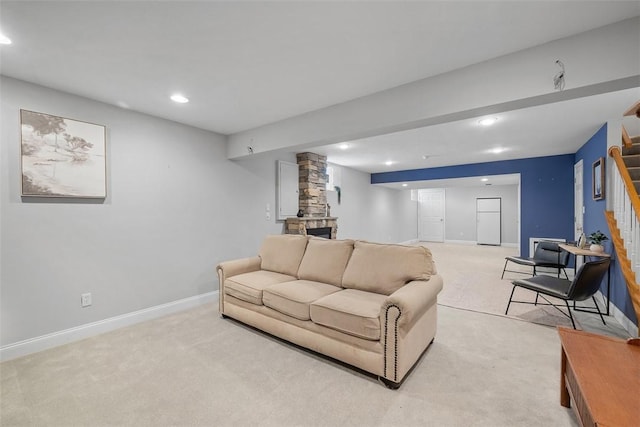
[{"x": 431, "y": 214}]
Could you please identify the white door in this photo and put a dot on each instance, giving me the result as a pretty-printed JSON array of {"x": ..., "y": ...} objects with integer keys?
[
  {"x": 431, "y": 215},
  {"x": 578, "y": 202},
  {"x": 287, "y": 190},
  {"x": 488, "y": 212}
]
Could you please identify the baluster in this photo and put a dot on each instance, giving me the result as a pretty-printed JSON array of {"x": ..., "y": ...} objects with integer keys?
[
  {"x": 625, "y": 225},
  {"x": 630, "y": 215},
  {"x": 632, "y": 251},
  {"x": 618, "y": 196},
  {"x": 635, "y": 261}
]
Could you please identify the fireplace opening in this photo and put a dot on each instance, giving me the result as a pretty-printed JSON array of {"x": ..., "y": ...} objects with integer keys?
[{"x": 324, "y": 232}]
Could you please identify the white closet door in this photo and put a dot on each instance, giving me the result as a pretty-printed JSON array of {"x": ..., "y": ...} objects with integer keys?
[{"x": 431, "y": 215}]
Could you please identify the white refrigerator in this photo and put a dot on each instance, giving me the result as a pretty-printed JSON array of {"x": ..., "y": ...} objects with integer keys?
[{"x": 488, "y": 211}]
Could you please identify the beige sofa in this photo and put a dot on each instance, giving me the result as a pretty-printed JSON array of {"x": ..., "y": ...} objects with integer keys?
[{"x": 370, "y": 305}]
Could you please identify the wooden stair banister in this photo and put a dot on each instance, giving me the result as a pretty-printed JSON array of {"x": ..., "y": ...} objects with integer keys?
[
  {"x": 625, "y": 263},
  {"x": 633, "y": 111},
  {"x": 629, "y": 215}
]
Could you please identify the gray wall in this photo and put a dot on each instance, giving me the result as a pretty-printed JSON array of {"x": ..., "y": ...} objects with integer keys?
[
  {"x": 372, "y": 212},
  {"x": 460, "y": 211},
  {"x": 175, "y": 208}
]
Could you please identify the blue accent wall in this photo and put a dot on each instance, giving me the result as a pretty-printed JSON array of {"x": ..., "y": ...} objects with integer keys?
[
  {"x": 546, "y": 189},
  {"x": 591, "y": 151},
  {"x": 594, "y": 219}
]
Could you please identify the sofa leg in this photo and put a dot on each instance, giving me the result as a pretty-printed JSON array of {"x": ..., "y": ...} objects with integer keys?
[
  {"x": 389, "y": 384},
  {"x": 224, "y": 316}
]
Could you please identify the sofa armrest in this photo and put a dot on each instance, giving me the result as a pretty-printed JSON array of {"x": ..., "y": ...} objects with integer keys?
[
  {"x": 232, "y": 268},
  {"x": 239, "y": 266},
  {"x": 405, "y": 331},
  {"x": 412, "y": 300}
]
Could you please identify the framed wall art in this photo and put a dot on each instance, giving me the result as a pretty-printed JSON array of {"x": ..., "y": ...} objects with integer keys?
[
  {"x": 598, "y": 179},
  {"x": 62, "y": 157}
]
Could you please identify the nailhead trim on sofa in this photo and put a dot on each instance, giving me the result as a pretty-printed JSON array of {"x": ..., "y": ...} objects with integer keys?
[{"x": 395, "y": 350}]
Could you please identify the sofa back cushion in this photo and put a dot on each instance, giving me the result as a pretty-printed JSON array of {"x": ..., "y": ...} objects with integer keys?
[
  {"x": 384, "y": 268},
  {"x": 325, "y": 260},
  {"x": 282, "y": 253}
]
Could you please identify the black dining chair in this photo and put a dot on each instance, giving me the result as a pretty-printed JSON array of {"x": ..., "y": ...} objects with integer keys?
[
  {"x": 584, "y": 286},
  {"x": 547, "y": 254}
]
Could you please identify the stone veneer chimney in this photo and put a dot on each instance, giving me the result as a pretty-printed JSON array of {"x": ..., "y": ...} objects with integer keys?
[
  {"x": 312, "y": 183},
  {"x": 312, "y": 186}
]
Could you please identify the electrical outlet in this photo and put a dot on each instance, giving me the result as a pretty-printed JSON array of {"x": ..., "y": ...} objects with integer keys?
[
  {"x": 85, "y": 300},
  {"x": 268, "y": 216}
]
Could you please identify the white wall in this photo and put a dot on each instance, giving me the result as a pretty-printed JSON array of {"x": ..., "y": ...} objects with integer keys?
[
  {"x": 460, "y": 211},
  {"x": 176, "y": 207},
  {"x": 370, "y": 212}
]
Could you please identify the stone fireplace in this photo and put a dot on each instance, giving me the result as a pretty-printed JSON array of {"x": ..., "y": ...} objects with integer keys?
[{"x": 312, "y": 182}]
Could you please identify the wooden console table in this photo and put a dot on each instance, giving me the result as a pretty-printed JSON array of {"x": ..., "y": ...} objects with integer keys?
[{"x": 601, "y": 375}]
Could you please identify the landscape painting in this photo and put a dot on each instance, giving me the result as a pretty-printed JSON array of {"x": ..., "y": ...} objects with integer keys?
[{"x": 62, "y": 157}]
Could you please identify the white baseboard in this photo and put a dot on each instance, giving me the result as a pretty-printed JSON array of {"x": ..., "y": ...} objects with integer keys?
[
  {"x": 462, "y": 242},
  {"x": 54, "y": 339},
  {"x": 624, "y": 321},
  {"x": 473, "y": 242},
  {"x": 409, "y": 242}
]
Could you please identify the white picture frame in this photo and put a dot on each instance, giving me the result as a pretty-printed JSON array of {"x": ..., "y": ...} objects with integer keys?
[{"x": 62, "y": 157}]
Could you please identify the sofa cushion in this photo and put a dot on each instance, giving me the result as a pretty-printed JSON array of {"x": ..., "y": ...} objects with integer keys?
[
  {"x": 385, "y": 268},
  {"x": 325, "y": 260},
  {"x": 249, "y": 286},
  {"x": 282, "y": 253},
  {"x": 293, "y": 298},
  {"x": 350, "y": 311}
]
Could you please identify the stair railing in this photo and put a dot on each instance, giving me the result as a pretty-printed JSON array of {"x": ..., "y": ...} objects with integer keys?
[{"x": 626, "y": 208}]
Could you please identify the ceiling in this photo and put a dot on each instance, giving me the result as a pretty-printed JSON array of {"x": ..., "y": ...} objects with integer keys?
[
  {"x": 247, "y": 64},
  {"x": 549, "y": 129}
]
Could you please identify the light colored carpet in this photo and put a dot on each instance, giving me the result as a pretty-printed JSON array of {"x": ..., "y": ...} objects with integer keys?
[
  {"x": 194, "y": 368},
  {"x": 472, "y": 282}
]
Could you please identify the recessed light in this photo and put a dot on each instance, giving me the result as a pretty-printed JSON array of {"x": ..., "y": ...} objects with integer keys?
[
  {"x": 487, "y": 121},
  {"x": 484, "y": 179},
  {"x": 343, "y": 146},
  {"x": 4, "y": 39},
  {"x": 497, "y": 150},
  {"x": 405, "y": 184},
  {"x": 388, "y": 163},
  {"x": 180, "y": 99}
]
